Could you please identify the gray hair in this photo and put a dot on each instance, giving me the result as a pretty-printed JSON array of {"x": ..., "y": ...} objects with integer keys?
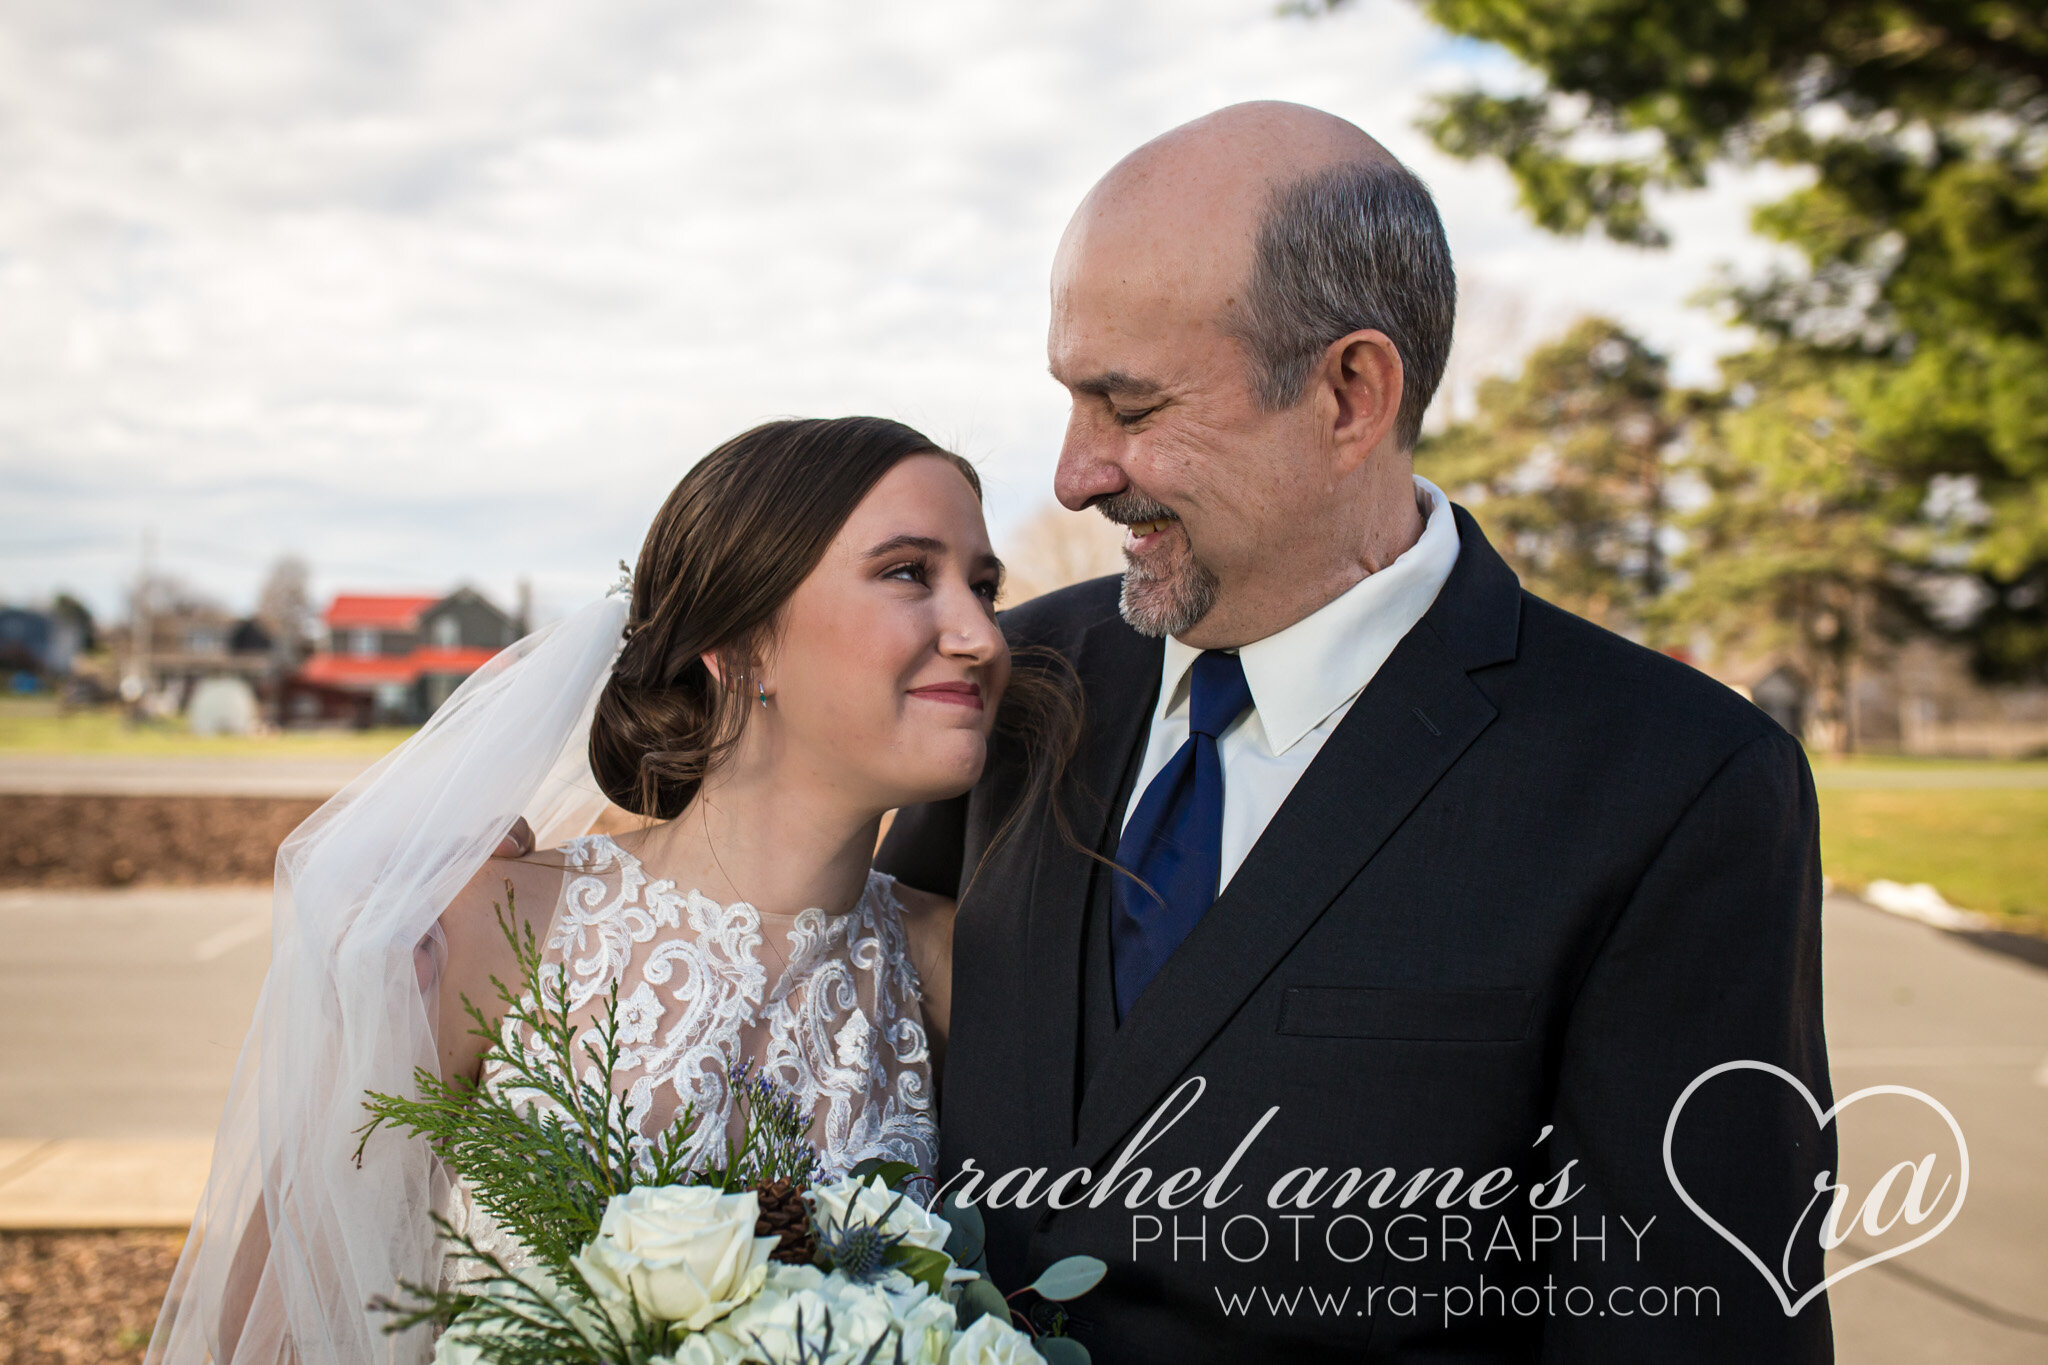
[{"x": 1342, "y": 250}]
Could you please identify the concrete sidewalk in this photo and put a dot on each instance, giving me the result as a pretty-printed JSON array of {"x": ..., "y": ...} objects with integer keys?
[
  {"x": 111, "y": 775},
  {"x": 66, "y": 1183}
]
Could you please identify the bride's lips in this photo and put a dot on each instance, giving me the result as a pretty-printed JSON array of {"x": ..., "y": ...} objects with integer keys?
[{"x": 952, "y": 694}]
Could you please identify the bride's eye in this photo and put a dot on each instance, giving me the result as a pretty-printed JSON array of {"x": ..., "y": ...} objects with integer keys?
[{"x": 910, "y": 571}]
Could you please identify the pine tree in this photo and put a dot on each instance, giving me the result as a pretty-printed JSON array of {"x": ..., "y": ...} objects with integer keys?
[{"x": 1567, "y": 467}]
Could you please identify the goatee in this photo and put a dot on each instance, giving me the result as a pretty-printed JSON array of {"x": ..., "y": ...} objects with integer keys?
[{"x": 1172, "y": 592}]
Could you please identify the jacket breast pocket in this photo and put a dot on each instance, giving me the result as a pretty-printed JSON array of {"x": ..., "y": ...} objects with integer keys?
[{"x": 1455, "y": 1016}]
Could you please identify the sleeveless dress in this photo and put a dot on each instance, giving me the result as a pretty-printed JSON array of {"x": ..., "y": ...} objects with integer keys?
[{"x": 825, "y": 1005}]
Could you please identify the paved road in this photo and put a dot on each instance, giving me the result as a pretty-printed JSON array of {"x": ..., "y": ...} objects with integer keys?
[
  {"x": 111, "y": 775},
  {"x": 1912, "y": 1006},
  {"x": 124, "y": 1011}
]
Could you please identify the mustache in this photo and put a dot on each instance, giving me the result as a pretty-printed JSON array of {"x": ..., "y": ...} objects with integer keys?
[{"x": 1131, "y": 505}]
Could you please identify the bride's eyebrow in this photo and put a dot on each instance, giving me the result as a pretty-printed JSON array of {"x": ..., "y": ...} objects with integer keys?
[
  {"x": 907, "y": 542},
  {"x": 930, "y": 545}
]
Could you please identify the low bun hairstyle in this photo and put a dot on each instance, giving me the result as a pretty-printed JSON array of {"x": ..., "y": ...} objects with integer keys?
[{"x": 729, "y": 547}]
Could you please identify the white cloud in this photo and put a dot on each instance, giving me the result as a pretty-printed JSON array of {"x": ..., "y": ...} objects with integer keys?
[{"x": 441, "y": 291}]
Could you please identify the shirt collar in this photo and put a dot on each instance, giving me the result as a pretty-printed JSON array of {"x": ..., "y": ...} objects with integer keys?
[{"x": 1301, "y": 674}]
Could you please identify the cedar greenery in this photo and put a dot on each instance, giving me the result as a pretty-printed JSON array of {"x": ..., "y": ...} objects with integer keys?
[
  {"x": 543, "y": 1152},
  {"x": 547, "y": 1146}
]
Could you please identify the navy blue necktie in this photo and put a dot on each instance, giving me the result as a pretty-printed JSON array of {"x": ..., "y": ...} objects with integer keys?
[{"x": 1174, "y": 840}]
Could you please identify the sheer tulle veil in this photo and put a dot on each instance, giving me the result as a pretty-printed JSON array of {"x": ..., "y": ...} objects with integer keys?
[{"x": 343, "y": 1011}]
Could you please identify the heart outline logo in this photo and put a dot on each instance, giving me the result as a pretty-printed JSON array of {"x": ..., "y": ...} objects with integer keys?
[{"x": 1821, "y": 1119}]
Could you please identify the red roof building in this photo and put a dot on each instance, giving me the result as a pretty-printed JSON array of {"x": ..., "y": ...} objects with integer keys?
[
  {"x": 359, "y": 611},
  {"x": 394, "y": 659}
]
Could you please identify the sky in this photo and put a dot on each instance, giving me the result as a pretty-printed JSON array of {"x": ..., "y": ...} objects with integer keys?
[{"x": 429, "y": 293}]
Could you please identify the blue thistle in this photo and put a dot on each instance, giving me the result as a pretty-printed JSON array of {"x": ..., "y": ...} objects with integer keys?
[{"x": 859, "y": 1251}]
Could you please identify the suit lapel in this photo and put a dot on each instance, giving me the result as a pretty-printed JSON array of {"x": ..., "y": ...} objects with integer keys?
[
  {"x": 1411, "y": 723},
  {"x": 1119, "y": 672}
]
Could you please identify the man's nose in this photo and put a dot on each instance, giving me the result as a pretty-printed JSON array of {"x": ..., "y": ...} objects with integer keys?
[{"x": 1087, "y": 469}]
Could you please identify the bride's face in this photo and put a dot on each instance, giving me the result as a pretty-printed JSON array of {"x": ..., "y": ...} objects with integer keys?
[{"x": 885, "y": 675}]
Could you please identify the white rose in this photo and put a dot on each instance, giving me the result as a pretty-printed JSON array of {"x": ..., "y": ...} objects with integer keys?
[
  {"x": 925, "y": 1320},
  {"x": 849, "y": 1201},
  {"x": 766, "y": 1329},
  {"x": 701, "y": 1348},
  {"x": 686, "y": 1253},
  {"x": 788, "y": 1320},
  {"x": 991, "y": 1341}
]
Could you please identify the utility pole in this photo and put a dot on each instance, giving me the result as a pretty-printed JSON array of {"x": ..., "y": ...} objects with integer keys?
[{"x": 142, "y": 625}]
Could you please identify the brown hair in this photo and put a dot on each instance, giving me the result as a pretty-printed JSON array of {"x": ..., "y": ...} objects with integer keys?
[{"x": 726, "y": 551}]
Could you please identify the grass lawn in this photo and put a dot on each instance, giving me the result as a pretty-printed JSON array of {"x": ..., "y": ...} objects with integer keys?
[
  {"x": 1977, "y": 830},
  {"x": 32, "y": 725}
]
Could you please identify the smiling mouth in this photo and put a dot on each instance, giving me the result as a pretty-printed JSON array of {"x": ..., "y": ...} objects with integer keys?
[{"x": 952, "y": 694}]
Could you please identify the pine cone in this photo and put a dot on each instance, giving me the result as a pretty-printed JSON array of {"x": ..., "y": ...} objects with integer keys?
[{"x": 787, "y": 1218}]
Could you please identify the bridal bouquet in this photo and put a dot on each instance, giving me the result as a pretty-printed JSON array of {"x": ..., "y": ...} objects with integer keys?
[{"x": 639, "y": 1257}]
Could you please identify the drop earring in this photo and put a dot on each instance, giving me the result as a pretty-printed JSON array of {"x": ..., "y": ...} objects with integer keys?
[{"x": 764, "y": 693}]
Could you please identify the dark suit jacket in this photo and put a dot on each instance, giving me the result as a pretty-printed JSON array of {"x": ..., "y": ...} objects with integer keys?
[{"x": 1536, "y": 882}]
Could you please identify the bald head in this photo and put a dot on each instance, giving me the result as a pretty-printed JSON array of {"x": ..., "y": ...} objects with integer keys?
[
  {"x": 1232, "y": 160},
  {"x": 1280, "y": 225},
  {"x": 1182, "y": 213}
]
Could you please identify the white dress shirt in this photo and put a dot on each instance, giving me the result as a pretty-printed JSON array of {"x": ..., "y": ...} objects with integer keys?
[{"x": 1303, "y": 680}]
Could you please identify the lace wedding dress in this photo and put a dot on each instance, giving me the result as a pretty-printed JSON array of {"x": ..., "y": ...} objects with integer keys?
[
  {"x": 824, "y": 1005},
  {"x": 302, "y": 1226}
]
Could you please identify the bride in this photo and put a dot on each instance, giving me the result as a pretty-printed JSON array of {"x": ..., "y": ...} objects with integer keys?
[{"x": 810, "y": 642}]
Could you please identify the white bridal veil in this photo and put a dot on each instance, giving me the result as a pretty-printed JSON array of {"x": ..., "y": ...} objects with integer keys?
[{"x": 342, "y": 1011}]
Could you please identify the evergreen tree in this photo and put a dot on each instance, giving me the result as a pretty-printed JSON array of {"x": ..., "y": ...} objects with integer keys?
[
  {"x": 1567, "y": 467},
  {"x": 1924, "y": 231},
  {"x": 1802, "y": 546}
]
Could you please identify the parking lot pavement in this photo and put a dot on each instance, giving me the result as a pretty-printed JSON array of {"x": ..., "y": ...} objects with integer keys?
[
  {"x": 1912, "y": 1006},
  {"x": 125, "y": 1011}
]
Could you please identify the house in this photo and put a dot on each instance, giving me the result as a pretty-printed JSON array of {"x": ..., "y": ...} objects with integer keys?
[
  {"x": 28, "y": 642},
  {"x": 394, "y": 659},
  {"x": 158, "y": 662}
]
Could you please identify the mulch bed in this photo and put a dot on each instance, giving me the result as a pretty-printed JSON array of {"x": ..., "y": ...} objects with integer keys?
[
  {"x": 86, "y": 841},
  {"x": 81, "y": 1298}
]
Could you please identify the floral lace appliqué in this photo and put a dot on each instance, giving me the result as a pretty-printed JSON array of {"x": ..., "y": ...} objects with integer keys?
[{"x": 839, "y": 1027}]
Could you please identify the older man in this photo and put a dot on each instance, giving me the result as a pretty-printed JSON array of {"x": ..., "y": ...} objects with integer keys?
[{"x": 1396, "y": 906}]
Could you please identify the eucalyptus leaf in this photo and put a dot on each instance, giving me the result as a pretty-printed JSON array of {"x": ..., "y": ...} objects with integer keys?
[
  {"x": 979, "y": 1298},
  {"x": 1061, "y": 1351},
  {"x": 922, "y": 1264},
  {"x": 893, "y": 1173},
  {"x": 1069, "y": 1278},
  {"x": 969, "y": 1233}
]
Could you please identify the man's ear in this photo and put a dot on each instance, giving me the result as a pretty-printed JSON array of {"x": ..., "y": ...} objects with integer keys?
[{"x": 1365, "y": 377}]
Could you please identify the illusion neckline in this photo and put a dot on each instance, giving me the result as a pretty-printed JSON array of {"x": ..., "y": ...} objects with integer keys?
[{"x": 867, "y": 895}]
